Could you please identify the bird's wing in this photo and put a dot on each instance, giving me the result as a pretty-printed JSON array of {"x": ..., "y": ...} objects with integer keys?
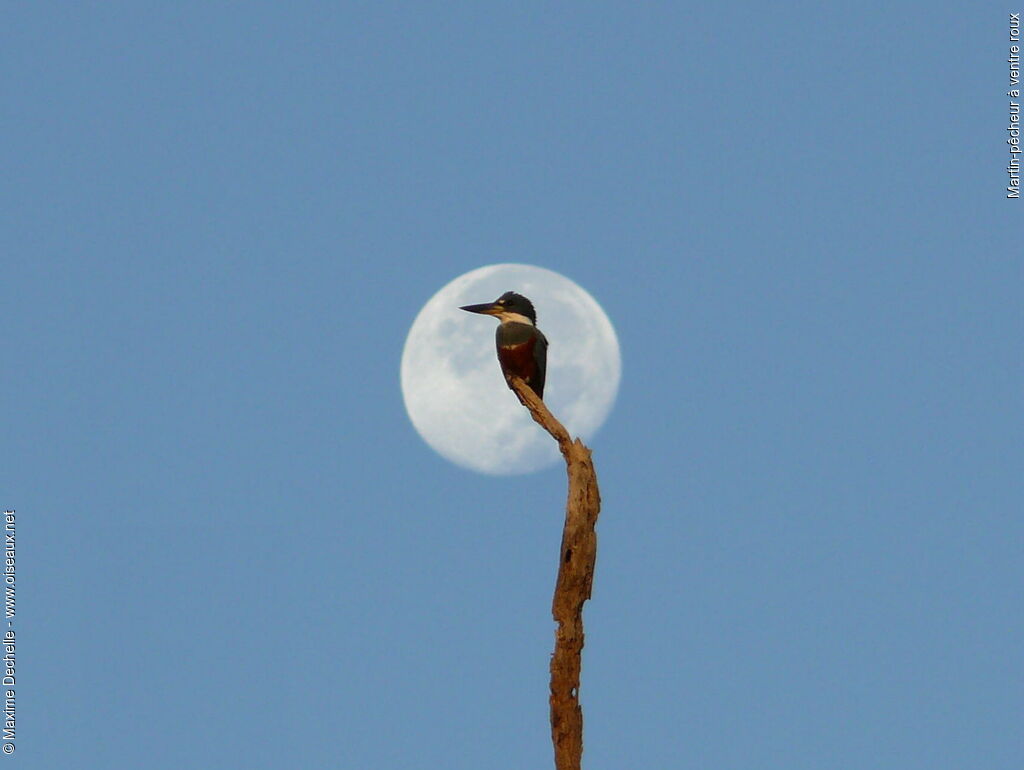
[{"x": 540, "y": 356}]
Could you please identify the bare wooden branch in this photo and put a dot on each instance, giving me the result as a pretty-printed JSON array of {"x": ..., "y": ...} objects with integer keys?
[{"x": 575, "y": 578}]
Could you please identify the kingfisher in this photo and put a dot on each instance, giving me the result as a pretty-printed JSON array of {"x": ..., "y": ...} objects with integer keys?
[{"x": 522, "y": 348}]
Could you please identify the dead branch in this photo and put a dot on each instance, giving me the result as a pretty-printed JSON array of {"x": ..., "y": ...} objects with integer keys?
[{"x": 575, "y": 578}]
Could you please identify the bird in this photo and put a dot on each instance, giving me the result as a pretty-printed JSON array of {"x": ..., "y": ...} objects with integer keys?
[{"x": 522, "y": 347}]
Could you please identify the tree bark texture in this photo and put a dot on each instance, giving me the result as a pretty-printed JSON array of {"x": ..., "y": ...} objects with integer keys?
[{"x": 575, "y": 578}]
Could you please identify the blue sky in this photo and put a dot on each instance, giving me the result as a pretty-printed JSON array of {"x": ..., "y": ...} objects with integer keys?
[{"x": 219, "y": 222}]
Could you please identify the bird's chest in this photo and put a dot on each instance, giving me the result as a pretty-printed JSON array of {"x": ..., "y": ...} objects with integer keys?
[{"x": 515, "y": 343}]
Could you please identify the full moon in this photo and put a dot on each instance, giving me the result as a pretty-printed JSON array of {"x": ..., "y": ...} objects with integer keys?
[{"x": 456, "y": 395}]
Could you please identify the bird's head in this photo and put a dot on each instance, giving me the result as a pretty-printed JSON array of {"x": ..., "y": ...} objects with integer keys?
[{"x": 509, "y": 307}]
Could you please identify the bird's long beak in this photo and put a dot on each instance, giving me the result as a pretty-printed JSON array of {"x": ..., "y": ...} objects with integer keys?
[{"x": 487, "y": 308}]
